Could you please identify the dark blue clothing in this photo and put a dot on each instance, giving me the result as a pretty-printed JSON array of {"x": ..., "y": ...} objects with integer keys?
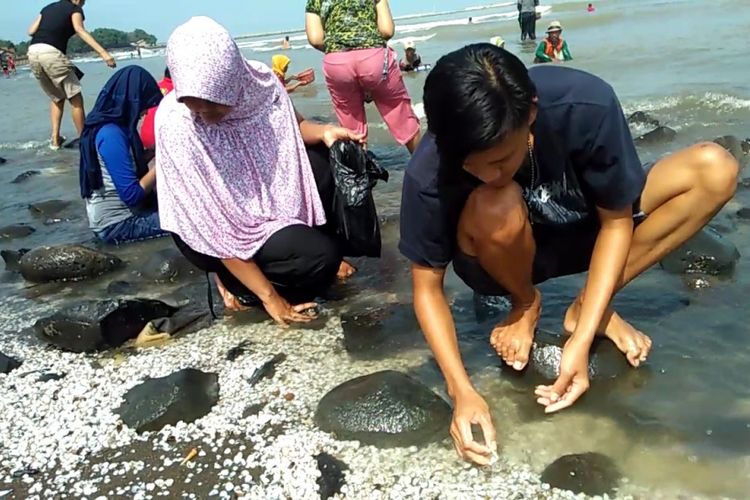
[
  {"x": 585, "y": 156},
  {"x": 113, "y": 146},
  {"x": 135, "y": 228},
  {"x": 56, "y": 26},
  {"x": 130, "y": 92}
]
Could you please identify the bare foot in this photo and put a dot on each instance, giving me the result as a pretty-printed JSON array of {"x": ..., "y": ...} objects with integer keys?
[
  {"x": 230, "y": 301},
  {"x": 513, "y": 337},
  {"x": 346, "y": 270},
  {"x": 634, "y": 344}
]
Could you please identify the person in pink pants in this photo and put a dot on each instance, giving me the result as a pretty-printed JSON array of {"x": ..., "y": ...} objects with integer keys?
[{"x": 359, "y": 62}]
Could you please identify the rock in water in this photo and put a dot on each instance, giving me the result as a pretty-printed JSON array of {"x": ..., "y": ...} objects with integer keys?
[
  {"x": 66, "y": 263},
  {"x": 95, "y": 325},
  {"x": 15, "y": 231},
  {"x": 589, "y": 473},
  {"x": 50, "y": 208},
  {"x": 745, "y": 145},
  {"x": 331, "y": 475},
  {"x": 744, "y": 213},
  {"x": 25, "y": 176},
  {"x": 167, "y": 265},
  {"x": 659, "y": 134},
  {"x": 385, "y": 409},
  {"x": 381, "y": 333},
  {"x": 2, "y": 160},
  {"x": 643, "y": 118},
  {"x": 185, "y": 395},
  {"x": 8, "y": 364},
  {"x": 605, "y": 361},
  {"x": 731, "y": 144},
  {"x": 707, "y": 252},
  {"x": 12, "y": 258}
]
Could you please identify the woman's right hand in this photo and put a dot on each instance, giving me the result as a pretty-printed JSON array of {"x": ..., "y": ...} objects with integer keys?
[
  {"x": 109, "y": 60},
  {"x": 470, "y": 408},
  {"x": 284, "y": 313}
]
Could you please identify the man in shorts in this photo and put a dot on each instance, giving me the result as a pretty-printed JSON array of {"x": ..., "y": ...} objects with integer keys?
[
  {"x": 526, "y": 175},
  {"x": 57, "y": 76}
]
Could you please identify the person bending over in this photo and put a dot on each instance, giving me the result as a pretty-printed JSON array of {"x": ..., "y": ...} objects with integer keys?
[
  {"x": 526, "y": 175},
  {"x": 280, "y": 65},
  {"x": 57, "y": 76},
  {"x": 115, "y": 178},
  {"x": 243, "y": 195}
]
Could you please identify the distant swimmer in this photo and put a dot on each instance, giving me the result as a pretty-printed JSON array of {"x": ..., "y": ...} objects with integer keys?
[
  {"x": 412, "y": 60},
  {"x": 591, "y": 8},
  {"x": 527, "y": 18},
  {"x": 498, "y": 41},
  {"x": 553, "y": 48},
  {"x": 285, "y": 43},
  {"x": 280, "y": 65},
  {"x": 471, "y": 20},
  {"x": 11, "y": 64}
]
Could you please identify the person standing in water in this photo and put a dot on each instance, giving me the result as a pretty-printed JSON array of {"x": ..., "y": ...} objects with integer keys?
[
  {"x": 285, "y": 45},
  {"x": 526, "y": 175},
  {"x": 591, "y": 8},
  {"x": 358, "y": 62},
  {"x": 553, "y": 48},
  {"x": 527, "y": 18},
  {"x": 57, "y": 76}
]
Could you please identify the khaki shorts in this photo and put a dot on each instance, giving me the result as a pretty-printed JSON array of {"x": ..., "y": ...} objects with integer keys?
[{"x": 54, "y": 72}]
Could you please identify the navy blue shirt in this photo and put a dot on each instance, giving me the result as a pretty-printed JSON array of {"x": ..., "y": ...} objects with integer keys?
[{"x": 584, "y": 154}]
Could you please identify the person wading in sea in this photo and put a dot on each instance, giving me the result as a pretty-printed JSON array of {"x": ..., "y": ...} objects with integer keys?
[
  {"x": 527, "y": 18},
  {"x": 57, "y": 76},
  {"x": 525, "y": 175}
]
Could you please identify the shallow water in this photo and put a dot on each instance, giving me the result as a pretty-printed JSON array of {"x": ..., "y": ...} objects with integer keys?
[{"x": 680, "y": 423}]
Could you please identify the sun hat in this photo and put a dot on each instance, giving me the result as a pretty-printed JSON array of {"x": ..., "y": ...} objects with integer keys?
[
  {"x": 409, "y": 44},
  {"x": 498, "y": 40},
  {"x": 554, "y": 26}
]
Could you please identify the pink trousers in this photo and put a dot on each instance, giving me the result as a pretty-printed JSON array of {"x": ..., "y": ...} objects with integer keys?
[{"x": 351, "y": 74}]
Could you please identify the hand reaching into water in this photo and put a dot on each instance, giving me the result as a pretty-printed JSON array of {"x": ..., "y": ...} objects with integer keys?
[
  {"x": 470, "y": 408},
  {"x": 284, "y": 313},
  {"x": 573, "y": 380},
  {"x": 332, "y": 134},
  {"x": 109, "y": 60}
]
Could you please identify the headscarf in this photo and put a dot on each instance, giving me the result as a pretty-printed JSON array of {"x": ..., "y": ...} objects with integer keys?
[
  {"x": 225, "y": 188},
  {"x": 279, "y": 64},
  {"x": 129, "y": 92}
]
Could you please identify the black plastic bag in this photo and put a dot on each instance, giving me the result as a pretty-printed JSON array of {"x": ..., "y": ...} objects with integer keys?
[{"x": 355, "y": 173}]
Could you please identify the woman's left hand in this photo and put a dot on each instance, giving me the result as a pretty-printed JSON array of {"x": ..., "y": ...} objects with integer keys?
[{"x": 332, "y": 134}]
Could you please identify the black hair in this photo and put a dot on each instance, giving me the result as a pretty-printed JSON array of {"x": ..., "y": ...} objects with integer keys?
[
  {"x": 167, "y": 74},
  {"x": 474, "y": 97}
]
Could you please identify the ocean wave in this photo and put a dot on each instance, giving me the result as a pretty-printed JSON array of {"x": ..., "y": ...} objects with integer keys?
[
  {"x": 24, "y": 145},
  {"x": 464, "y": 21},
  {"x": 714, "y": 101}
]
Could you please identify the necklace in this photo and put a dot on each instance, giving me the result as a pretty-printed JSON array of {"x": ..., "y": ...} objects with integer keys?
[{"x": 532, "y": 161}]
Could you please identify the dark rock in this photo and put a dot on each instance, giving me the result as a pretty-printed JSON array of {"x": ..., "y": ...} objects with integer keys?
[
  {"x": 51, "y": 376},
  {"x": 66, "y": 263},
  {"x": 184, "y": 321},
  {"x": 266, "y": 370},
  {"x": 643, "y": 118},
  {"x": 731, "y": 144},
  {"x": 589, "y": 473},
  {"x": 744, "y": 213},
  {"x": 49, "y": 209},
  {"x": 121, "y": 288},
  {"x": 745, "y": 145},
  {"x": 12, "y": 258},
  {"x": 185, "y": 395},
  {"x": 167, "y": 265},
  {"x": 331, "y": 475},
  {"x": 8, "y": 364},
  {"x": 28, "y": 471},
  {"x": 707, "y": 252},
  {"x": 2, "y": 160},
  {"x": 386, "y": 409},
  {"x": 25, "y": 176},
  {"x": 379, "y": 333},
  {"x": 15, "y": 231},
  {"x": 95, "y": 325},
  {"x": 605, "y": 360},
  {"x": 238, "y": 350},
  {"x": 659, "y": 134},
  {"x": 253, "y": 410}
]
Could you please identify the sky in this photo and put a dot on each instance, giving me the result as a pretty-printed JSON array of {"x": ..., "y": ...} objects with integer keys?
[{"x": 160, "y": 17}]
